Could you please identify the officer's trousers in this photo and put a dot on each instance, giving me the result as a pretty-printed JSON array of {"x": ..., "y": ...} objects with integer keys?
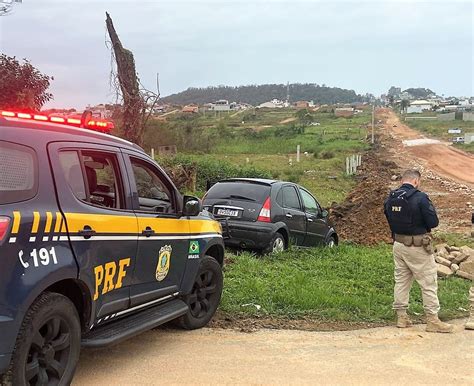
[{"x": 414, "y": 263}]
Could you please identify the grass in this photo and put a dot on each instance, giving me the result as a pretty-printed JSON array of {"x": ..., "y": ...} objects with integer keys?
[{"x": 348, "y": 283}]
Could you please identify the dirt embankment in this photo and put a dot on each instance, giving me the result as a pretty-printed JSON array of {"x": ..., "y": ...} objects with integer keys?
[{"x": 446, "y": 175}]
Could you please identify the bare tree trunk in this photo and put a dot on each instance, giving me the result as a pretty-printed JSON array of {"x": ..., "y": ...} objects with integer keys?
[{"x": 132, "y": 99}]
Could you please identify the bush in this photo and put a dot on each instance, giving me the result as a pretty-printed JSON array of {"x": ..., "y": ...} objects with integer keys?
[
  {"x": 325, "y": 154},
  {"x": 209, "y": 169}
]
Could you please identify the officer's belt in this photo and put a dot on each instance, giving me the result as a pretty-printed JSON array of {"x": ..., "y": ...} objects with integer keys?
[{"x": 410, "y": 240}]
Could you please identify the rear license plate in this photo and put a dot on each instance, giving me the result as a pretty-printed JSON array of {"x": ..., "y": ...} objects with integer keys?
[{"x": 227, "y": 212}]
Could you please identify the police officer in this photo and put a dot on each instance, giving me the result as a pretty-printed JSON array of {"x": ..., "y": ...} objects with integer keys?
[{"x": 411, "y": 216}]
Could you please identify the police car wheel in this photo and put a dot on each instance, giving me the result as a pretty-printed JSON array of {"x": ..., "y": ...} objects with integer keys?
[
  {"x": 205, "y": 295},
  {"x": 48, "y": 344}
]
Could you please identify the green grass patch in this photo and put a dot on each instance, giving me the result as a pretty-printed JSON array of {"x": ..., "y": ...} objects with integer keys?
[{"x": 348, "y": 283}]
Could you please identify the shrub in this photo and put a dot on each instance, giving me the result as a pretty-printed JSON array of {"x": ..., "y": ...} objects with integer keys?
[{"x": 209, "y": 169}]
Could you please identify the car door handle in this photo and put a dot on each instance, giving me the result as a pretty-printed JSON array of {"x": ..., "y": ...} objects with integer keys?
[
  {"x": 310, "y": 220},
  {"x": 87, "y": 232},
  {"x": 147, "y": 232},
  {"x": 289, "y": 215}
]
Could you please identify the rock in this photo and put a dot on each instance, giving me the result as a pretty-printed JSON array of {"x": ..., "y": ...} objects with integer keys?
[
  {"x": 469, "y": 251},
  {"x": 394, "y": 177},
  {"x": 450, "y": 257},
  {"x": 442, "y": 260},
  {"x": 455, "y": 253},
  {"x": 467, "y": 266},
  {"x": 441, "y": 248},
  {"x": 453, "y": 249},
  {"x": 465, "y": 275},
  {"x": 459, "y": 259},
  {"x": 444, "y": 271},
  {"x": 454, "y": 268}
]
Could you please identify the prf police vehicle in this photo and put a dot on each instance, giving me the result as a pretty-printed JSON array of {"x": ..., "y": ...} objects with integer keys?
[{"x": 96, "y": 245}]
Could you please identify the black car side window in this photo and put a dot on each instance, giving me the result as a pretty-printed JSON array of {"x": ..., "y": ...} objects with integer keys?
[
  {"x": 290, "y": 198},
  {"x": 153, "y": 194},
  {"x": 310, "y": 204},
  {"x": 93, "y": 177}
]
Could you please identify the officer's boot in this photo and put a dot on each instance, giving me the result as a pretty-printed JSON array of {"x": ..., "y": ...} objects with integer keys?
[
  {"x": 433, "y": 324},
  {"x": 403, "y": 320},
  {"x": 470, "y": 322}
]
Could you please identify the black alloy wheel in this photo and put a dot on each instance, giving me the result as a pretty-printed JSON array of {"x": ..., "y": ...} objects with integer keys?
[
  {"x": 205, "y": 295},
  {"x": 48, "y": 344}
]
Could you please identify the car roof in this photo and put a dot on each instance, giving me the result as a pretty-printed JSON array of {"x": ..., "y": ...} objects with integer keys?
[
  {"x": 262, "y": 181},
  {"x": 69, "y": 132}
]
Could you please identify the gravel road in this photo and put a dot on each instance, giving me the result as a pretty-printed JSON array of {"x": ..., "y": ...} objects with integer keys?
[{"x": 213, "y": 356}]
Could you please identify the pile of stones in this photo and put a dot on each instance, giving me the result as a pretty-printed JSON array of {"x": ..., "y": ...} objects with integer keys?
[{"x": 457, "y": 261}]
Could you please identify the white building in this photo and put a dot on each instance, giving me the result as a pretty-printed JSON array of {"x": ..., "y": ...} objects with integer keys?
[
  {"x": 273, "y": 104},
  {"x": 220, "y": 105},
  {"x": 419, "y": 106}
]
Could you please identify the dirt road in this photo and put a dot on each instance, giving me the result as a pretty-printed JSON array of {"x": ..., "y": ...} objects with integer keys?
[
  {"x": 211, "y": 356},
  {"x": 441, "y": 158}
]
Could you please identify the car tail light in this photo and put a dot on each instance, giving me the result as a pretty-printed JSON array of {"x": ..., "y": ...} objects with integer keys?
[
  {"x": 4, "y": 225},
  {"x": 264, "y": 215}
]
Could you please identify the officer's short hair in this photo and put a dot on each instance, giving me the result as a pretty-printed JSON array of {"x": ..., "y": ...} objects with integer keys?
[{"x": 411, "y": 174}]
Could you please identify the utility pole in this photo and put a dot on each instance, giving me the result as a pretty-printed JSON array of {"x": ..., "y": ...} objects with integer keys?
[{"x": 373, "y": 123}]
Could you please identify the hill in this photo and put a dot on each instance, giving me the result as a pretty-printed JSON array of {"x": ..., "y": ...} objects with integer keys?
[{"x": 256, "y": 94}]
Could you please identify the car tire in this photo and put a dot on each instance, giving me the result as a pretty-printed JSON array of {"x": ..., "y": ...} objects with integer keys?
[
  {"x": 205, "y": 295},
  {"x": 48, "y": 344},
  {"x": 331, "y": 242},
  {"x": 277, "y": 244}
]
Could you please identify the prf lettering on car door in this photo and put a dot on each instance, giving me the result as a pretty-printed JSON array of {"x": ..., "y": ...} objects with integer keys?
[{"x": 109, "y": 277}]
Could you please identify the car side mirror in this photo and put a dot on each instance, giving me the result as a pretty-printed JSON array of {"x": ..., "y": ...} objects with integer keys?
[
  {"x": 191, "y": 206},
  {"x": 324, "y": 213}
]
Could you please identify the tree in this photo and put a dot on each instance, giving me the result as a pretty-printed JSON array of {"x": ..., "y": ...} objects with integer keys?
[
  {"x": 134, "y": 104},
  {"x": 22, "y": 86},
  {"x": 304, "y": 117},
  {"x": 404, "y": 104}
]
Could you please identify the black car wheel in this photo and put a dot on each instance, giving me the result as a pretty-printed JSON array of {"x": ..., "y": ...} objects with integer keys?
[
  {"x": 277, "y": 244},
  {"x": 331, "y": 242},
  {"x": 48, "y": 344},
  {"x": 205, "y": 295}
]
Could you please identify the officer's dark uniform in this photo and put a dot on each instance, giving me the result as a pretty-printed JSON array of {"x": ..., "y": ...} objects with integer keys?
[
  {"x": 423, "y": 212},
  {"x": 412, "y": 260}
]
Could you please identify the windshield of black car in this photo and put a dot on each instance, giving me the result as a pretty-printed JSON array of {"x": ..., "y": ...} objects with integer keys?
[{"x": 244, "y": 191}]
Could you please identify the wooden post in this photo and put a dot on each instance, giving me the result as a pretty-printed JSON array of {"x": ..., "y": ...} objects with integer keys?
[
  {"x": 152, "y": 153},
  {"x": 348, "y": 171},
  {"x": 298, "y": 148}
]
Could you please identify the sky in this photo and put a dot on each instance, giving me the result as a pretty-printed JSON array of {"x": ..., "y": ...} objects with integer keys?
[{"x": 366, "y": 46}]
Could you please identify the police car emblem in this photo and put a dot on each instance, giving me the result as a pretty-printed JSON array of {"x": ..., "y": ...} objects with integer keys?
[{"x": 163, "y": 265}]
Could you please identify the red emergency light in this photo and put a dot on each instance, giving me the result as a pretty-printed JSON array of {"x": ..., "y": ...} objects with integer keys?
[{"x": 87, "y": 122}]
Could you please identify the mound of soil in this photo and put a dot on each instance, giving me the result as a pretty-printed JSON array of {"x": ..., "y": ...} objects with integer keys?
[{"x": 360, "y": 217}]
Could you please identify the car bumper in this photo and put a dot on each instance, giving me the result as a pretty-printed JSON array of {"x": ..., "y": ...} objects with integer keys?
[{"x": 252, "y": 235}]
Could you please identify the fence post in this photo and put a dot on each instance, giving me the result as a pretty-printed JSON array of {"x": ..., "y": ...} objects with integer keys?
[
  {"x": 298, "y": 148},
  {"x": 152, "y": 153},
  {"x": 348, "y": 172}
]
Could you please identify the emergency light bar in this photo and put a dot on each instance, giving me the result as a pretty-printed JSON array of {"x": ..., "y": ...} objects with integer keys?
[{"x": 86, "y": 122}]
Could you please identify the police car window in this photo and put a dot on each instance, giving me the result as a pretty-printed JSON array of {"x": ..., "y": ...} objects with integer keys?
[
  {"x": 310, "y": 204},
  {"x": 290, "y": 198},
  {"x": 92, "y": 177},
  {"x": 102, "y": 177},
  {"x": 71, "y": 165},
  {"x": 18, "y": 173},
  {"x": 153, "y": 194}
]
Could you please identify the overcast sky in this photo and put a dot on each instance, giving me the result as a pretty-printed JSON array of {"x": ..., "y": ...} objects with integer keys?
[{"x": 361, "y": 45}]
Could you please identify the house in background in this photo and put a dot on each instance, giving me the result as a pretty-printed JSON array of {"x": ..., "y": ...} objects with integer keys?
[
  {"x": 191, "y": 109},
  {"x": 345, "y": 112},
  {"x": 419, "y": 106},
  {"x": 273, "y": 104}
]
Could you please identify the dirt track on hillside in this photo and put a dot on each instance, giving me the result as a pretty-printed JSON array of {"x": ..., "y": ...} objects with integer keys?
[
  {"x": 280, "y": 357},
  {"x": 447, "y": 177},
  {"x": 441, "y": 158}
]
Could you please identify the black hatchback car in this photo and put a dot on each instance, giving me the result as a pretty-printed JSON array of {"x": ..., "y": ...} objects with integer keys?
[{"x": 268, "y": 215}]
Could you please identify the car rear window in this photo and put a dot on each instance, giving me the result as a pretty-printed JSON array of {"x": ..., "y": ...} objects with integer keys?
[
  {"x": 245, "y": 191},
  {"x": 18, "y": 173}
]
